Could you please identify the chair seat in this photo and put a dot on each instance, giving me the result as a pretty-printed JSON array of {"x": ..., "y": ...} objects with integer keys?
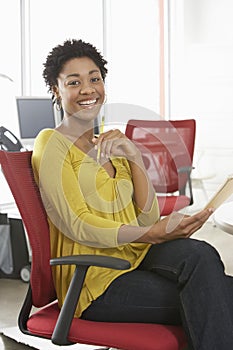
[
  {"x": 127, "y": 336},
  {"x": 168, "y": 204}
]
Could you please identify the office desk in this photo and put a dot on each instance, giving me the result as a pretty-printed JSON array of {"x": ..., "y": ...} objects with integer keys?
[
  {"x": 20, "y": 247},
  {"x": 223, "y": 217}
]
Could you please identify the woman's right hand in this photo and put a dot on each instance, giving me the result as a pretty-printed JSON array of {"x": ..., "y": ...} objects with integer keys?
[
  {"x": 175, "y": 226},
  {"x": 114, "y": 143}
]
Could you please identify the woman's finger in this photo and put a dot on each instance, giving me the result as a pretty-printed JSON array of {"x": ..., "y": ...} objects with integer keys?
[{"x": 200, "y": 217}]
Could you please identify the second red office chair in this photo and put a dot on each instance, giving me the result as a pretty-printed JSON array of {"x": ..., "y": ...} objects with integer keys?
[
  {"x": 167, "y": 148},
  {"x": 49, "y": 321}
]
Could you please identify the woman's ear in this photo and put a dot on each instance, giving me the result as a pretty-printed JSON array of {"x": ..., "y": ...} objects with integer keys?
[
  {"x": 55, "y": 91},
  {"x": 56, "y": 98}
]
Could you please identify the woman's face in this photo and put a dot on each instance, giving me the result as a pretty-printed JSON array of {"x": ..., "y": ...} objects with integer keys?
[{"x": 81, "y": 88}]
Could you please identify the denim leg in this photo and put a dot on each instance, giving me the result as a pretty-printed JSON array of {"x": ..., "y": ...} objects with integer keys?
[
  {"x": 137, "y": 296},
  {"x": 206, "y": 293},
  {"x": 178, "y": 280}
]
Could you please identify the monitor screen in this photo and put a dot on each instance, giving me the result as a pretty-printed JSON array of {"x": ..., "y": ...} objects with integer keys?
[{"x": 34, "y": 114}]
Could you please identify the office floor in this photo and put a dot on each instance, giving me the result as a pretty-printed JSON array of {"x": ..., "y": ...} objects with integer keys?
[{"x": 12, "y": 291}]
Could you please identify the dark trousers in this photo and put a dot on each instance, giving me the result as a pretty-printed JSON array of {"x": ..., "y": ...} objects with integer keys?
[{"x": 179, "y": 282}]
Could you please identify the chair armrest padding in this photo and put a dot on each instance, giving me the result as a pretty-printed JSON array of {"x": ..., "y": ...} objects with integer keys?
[{"x": 92, "y": 260}]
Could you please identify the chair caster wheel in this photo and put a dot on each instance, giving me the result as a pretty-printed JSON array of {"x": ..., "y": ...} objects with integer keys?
[{"x": 25, "y": 273}]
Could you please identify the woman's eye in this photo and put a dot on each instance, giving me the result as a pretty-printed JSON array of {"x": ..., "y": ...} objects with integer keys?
[
  {"x": 95, "y": 80},
  {"x": 73, "y": 83}
]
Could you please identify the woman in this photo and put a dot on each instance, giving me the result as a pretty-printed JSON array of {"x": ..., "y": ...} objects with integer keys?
[{"x": 99, "y": 200}]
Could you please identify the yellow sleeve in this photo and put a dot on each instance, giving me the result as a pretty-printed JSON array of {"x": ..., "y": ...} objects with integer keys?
[
  {"x": 62, "y": 196},
  {"x": 148, "y": 218}
]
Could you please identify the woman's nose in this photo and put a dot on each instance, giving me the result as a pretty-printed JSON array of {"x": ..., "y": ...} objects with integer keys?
[{"x": 86, "y": 89}]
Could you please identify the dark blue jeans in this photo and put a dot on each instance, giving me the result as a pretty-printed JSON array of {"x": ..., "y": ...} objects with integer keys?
[{"x": 179, "y": 282}]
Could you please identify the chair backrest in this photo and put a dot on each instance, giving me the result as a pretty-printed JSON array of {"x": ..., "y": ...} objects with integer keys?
[
  {"x": 17, "y": 169},
  {"x": 166, "y": 146}
]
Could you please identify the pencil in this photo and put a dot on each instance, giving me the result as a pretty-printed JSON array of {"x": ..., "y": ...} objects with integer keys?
[{"x": 101, "y": 131}]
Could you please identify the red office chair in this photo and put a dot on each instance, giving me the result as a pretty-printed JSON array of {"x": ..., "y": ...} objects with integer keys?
[
  {"x": 49, "y": 321},
  {"x": 167, "y": 148}
]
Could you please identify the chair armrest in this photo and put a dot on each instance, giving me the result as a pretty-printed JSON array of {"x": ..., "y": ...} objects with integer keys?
[
  {"x": 187, "y": 170},
  {"x": 92, "y": 260},
  {"x": 82, "y": 262}
]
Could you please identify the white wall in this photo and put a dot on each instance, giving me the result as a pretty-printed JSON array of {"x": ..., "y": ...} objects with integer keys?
[
  {"x": 9, "y": 63},
  {"x": 52, "y": 22},
  {"x": 202, "y": 80},
  {"x": 132, "y": 49}
]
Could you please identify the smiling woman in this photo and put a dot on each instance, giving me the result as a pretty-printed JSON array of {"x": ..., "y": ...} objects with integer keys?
[{"x": 101, "y": 202}]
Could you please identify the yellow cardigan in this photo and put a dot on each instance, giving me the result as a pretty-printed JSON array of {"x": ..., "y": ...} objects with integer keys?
[{"x": 86, "y": 208}]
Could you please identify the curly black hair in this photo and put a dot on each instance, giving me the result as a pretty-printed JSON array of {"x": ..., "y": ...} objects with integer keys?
[{"x": 69, "y": 50}]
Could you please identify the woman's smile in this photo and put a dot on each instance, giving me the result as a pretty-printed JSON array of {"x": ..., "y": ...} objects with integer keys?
[{"x": 88, "y": 103}]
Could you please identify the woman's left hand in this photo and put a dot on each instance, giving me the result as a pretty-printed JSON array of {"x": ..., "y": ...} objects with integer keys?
[{"x": 114, "y": 143}]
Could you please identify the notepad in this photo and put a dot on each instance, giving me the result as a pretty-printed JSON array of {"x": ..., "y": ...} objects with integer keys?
[{"x": 223, "y": 193}]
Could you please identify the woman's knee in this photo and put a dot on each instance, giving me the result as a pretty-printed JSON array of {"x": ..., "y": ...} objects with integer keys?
[
  {"x": 181, "y": 249},
  {"x": 201, "y": 249},
  {"x": 181, "y": 256},
  {"x": 201, "y": 259}
]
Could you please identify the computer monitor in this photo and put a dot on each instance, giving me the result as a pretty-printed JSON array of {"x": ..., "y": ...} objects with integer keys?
[{"x": 35, "y": 114}]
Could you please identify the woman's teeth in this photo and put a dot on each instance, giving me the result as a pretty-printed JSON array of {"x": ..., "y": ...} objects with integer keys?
[{"x": 87, "y": 103}]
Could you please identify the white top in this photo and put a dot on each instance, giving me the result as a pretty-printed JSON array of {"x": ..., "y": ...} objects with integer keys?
[{"x": 223, "y": 217}]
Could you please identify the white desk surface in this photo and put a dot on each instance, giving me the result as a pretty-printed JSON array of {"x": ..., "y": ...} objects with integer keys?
[
  {"x": 11, "y": 210},
  {"x": 223, "y": 217}
]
